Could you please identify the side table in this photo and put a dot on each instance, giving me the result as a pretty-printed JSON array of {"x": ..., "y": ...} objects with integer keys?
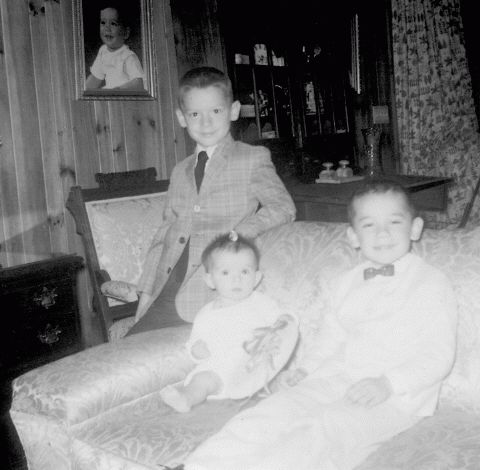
[
  {"x": 40, "y": 316},
  {"x": 40, "y": 323},
  {"x": 328, "y": 202}
]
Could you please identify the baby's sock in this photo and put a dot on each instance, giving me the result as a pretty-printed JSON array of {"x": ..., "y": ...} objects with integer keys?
[{"x": 175, "y": 399}]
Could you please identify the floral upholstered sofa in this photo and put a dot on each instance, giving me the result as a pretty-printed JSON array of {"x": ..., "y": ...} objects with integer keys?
[{"x": 100, "y": 409}]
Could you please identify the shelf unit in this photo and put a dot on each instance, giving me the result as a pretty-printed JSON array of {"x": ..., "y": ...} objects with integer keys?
[
  {"x": 300, "y": 100},
  {"x": 324, "y": 96},
  {"x": 289, "y": 70},
  {"x": 261, "y": 83}
]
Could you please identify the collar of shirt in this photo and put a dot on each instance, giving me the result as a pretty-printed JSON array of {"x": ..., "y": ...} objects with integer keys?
[
  {"x": 214, "y": 149},
  {"x": 117, "y": 52},
  {"x": 209, "y": 150}
]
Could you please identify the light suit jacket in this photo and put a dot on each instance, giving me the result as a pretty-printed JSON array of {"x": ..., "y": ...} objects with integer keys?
[{"x": 240, "y": 190}]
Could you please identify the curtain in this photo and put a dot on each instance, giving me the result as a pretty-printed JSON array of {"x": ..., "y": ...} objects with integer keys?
[{"x": 438, "y": 127}]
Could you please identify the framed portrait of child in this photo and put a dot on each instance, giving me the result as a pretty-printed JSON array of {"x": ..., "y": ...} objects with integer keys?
[{"x": 113, "y": 49}]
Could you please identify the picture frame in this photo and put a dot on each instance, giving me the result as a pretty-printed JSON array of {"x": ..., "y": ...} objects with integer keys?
[
  {"x": 354, "y": 73},
  {"x": 118, "y": 82}
]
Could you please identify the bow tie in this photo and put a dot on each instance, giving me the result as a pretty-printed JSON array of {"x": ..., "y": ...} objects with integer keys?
[{"x": 387, "y": 270}]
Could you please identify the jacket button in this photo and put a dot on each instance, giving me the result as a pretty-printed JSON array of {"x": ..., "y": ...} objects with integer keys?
[
  {"x": 169, "y": 270},
  {"x": 182, "y": 240}
]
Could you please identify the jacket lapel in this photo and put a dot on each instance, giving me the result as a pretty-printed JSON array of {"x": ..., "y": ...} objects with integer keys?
[
  {"x": 215, "y": 167},
  {"x": 217, "y": 164},
  {"x": 190, "y": 173}
]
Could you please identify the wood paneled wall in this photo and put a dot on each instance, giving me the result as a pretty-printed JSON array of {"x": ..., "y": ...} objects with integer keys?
[{"x": 50, "y": 141}]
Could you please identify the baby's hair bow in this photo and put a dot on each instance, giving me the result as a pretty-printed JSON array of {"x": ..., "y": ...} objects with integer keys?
[{"x": 233, "y": 236}]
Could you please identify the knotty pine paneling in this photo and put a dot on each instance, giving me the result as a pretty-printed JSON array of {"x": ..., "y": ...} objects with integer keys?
[
  {"x": 45, "y": 90},
  {"x": 11, "y": 221},
  {"x": 50, "y": 141},
  {"x": 26, "y": 153}
]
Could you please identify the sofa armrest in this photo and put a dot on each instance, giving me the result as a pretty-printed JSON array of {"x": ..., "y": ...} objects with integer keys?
[
  {"x": 87, "y": 384},
  {"x": 120, "y": 290}
]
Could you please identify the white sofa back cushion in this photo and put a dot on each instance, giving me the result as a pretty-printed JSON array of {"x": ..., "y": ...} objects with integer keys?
[{"x": 299, "y": 261}]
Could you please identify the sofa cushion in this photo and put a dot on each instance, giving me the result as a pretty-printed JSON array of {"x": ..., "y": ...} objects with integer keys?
[
  {"x": 299, "y": 261},
  {"x": 148, "y": 433},
  {"x": 457, "y": 253},
  {"x": 449, "y": 440}
]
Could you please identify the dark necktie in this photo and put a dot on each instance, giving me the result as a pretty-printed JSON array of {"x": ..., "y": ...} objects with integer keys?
[
  {"x": 200, "y": 168},
  {"x": 387, "y": 270}
]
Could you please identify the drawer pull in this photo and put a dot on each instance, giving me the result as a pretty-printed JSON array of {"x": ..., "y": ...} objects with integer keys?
[
  {"x": 50, "y": 335},
  {"x": 46, "y": 298}
]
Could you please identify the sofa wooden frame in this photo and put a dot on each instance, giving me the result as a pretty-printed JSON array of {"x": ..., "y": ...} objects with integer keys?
[{"x": 110, "y": 186}]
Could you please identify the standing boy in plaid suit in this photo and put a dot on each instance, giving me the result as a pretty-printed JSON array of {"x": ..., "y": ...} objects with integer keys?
[{"x": 225, "y": 185}]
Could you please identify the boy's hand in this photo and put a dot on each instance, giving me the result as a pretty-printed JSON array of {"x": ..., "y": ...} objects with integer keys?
[
  {"x": 200, "y": 350},
  {"x": 369, "y": 392}
]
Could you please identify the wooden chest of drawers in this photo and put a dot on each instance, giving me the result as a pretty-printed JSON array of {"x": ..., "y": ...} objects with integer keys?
[{"x": 39, "y": 313}]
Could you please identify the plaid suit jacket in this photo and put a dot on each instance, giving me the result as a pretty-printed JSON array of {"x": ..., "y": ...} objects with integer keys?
[{"x": 240, "y": 190}]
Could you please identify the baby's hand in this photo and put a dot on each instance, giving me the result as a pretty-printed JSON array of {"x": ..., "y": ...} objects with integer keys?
[
  {"x": 283, "y": 320},
  {"x": 369, "y": 392},
  {"x": 294, "y": 376},
  {"x": 289, "y": 378},
  {"x": 200, "y": 350}
]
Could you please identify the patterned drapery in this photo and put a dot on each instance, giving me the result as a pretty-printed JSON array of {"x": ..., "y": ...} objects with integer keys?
[{"x": 438, "y": 128}]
